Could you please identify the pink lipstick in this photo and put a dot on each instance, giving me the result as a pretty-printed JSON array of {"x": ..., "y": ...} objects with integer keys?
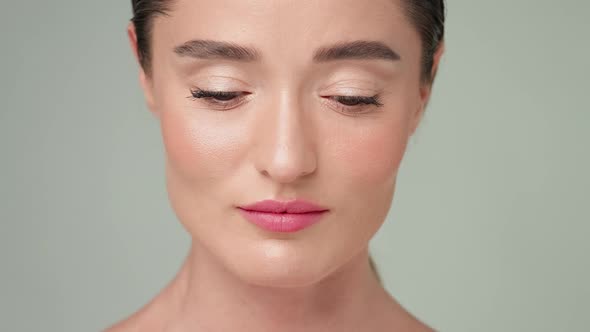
[{"x": 280, "y": 216}]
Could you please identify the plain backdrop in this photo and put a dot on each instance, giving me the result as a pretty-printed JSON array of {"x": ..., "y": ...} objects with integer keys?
[{"x": 489, "y": 226}]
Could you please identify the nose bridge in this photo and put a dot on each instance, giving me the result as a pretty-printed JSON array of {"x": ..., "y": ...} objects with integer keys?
[{"x": 285, "y": 146}]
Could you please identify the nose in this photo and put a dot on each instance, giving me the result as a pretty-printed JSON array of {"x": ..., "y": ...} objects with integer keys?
[{"x": 284, "y": 141}]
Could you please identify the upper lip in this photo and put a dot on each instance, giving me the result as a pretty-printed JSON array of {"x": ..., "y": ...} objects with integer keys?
[{"x": 293, "y": 206}]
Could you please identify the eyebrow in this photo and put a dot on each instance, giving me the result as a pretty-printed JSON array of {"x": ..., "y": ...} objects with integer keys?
[{"x": 358, "y": 49}]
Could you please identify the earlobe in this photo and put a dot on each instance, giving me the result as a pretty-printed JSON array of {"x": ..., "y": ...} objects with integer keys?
[
  {"x": 144, "y": 80},
  {"x": 417, "y": 118},
  {"x": 146, "y": 86},
  {"x": 425, "y": 89}
]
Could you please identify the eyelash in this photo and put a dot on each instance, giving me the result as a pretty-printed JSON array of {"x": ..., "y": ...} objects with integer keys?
[{"x": 225, "y": 99}]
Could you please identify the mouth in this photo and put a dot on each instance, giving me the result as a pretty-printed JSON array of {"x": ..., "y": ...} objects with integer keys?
[
  {"x": 283, "y": 216},
  {"x": 295, "y": 206},
  {"x": 282, "y": 222}
]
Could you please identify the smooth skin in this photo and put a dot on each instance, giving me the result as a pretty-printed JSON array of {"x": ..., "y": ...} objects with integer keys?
[{"x": 287, "y": 138}]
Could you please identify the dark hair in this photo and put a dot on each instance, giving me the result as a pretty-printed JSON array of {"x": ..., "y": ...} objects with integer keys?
[
  {"x": 427, "y": 15},
  {"x": 429, "y": 18}
]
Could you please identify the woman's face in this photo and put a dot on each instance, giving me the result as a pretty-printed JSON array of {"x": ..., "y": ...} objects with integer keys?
[{"x": 284, "y": 136}]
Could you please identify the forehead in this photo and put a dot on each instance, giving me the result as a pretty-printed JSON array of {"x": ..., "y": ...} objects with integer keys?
[{"x": 287, "y": 30}]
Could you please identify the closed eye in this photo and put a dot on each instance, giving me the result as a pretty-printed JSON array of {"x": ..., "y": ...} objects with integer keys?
[
  {"x": 218, "y": 95},
  {"x": 357, "y": 100},
  {"x": 223, "y": 99},
  {"x": 354, "y": 105},
  {"x": 228, "y": 99}
]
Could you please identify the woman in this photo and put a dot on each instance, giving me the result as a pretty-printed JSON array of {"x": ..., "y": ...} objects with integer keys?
[{"x": 284, "y": 125}]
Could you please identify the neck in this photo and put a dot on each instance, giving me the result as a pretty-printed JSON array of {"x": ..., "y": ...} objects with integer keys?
[{"x": 204, "y": 295}]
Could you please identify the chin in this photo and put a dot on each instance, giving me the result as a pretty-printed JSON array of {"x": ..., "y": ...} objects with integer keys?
[
  {"x": 280, "y": 272},
  {"x": 280, "y": 278}
]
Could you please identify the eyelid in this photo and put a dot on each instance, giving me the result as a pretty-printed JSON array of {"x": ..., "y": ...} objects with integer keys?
[
  {"x": 208, "y": 96},
  {"x": 361, "y": 108},
  {"x": 350, "y": 91},
  {"x": 216, "y": 81},
  {"x": 219, "y": 80},
  {"x": 353, "y": 84},
  {"x": 237, "y": 98}
]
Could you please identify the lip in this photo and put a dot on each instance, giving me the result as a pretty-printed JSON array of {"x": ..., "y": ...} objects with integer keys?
[{"x": 283, "y": 216}]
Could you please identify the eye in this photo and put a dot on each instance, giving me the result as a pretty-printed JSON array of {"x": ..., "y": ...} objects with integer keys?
[
  {"x": 223, "y": 99},
  {"x": 355, "y": 104}
]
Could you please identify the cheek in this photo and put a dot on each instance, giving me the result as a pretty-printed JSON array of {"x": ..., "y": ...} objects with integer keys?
[
  {"x": 363, "y": 171},
  {"x": 202, "y": 154},
  {"x": 370, "y": 158},
  {"x": 197, "y": 147},
  {"x": 366, "y": 154}
]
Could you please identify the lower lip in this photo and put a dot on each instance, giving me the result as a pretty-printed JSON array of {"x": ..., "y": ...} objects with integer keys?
[{"x": 282, "y": 222}]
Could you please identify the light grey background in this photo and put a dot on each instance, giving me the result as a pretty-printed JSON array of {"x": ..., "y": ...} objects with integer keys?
[{"x": 488, "y": 229}]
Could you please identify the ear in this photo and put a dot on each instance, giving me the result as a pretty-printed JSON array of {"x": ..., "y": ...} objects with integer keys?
[
  {"x": 144, "y": 80},
  {"x": 426, "y": 89}
]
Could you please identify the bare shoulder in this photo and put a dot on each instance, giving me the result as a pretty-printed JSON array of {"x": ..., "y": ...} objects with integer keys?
[
  {"x": 407, "y": 323},
  {"x": 398, "y": 318},
  {"x": 129, "y": 324},
  {"x": 121, "y": 326},
  {"x": 154, "y": 315},
  {"x": 151, "y": 317},
  {"x": 419, "y": 326}
]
